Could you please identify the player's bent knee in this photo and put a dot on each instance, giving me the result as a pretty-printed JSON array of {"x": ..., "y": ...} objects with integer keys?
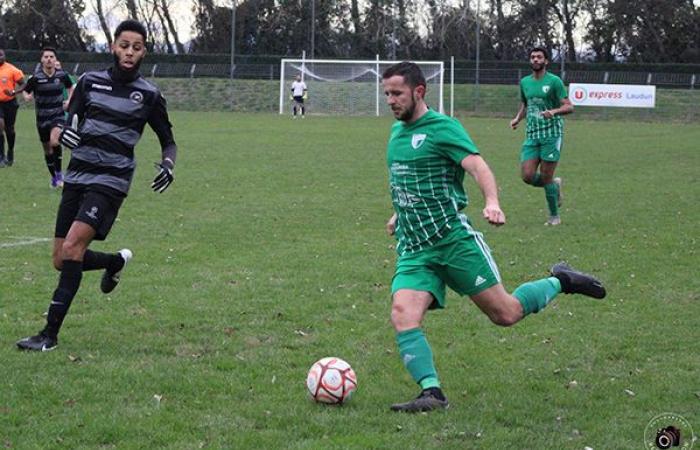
[
  {"x": 505, "y": 319},
  {"x": 72, "y": 250},
  {"x": 528, "y": 178},
  {"x": 402, "y": 319},
  {"x": 57, "y": 262}
]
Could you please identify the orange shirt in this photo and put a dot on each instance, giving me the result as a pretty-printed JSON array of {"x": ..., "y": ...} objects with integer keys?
[{"x": 9, "y": 77}]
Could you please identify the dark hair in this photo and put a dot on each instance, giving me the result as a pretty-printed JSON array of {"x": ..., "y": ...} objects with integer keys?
[
  {"x": 539, "y": 49},
  {"x": 411, "y": 73},
  {"x": 131, "y": 25},
  {"x": 49, "y": 49}
]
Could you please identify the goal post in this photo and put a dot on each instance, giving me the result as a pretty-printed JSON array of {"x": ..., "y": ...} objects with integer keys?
[{"x": 351, "y": 87}]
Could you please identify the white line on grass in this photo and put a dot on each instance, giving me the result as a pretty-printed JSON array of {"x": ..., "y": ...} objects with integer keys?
[{"x": 24, "y": 241}]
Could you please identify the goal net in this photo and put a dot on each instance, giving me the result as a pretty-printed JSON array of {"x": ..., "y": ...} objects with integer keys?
[{"x": 339, "y": 87}]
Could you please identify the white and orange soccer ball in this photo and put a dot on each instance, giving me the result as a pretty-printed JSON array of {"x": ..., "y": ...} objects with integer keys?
[{"x": 331, "y": 380}]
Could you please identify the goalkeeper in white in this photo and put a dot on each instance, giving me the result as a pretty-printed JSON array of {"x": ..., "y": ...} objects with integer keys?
[{"x": 299, "y": 94}]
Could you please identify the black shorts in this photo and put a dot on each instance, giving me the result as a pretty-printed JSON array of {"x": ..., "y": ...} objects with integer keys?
[
  {"x": 8, "y": 112},
  {"x": 95, "y": 207},
  {"x": 44, "y": 129},
  {"x": 299, "y": 99}
]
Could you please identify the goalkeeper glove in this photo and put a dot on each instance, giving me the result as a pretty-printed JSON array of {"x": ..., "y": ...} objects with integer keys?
[
  {"x": 305, "y": 96},
  {"x": 69, "y": 135},
  {"x": 163, "y": 179}
]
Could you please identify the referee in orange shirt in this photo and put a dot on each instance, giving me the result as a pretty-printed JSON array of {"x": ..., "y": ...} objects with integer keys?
[{"x": 11, "y": 78}]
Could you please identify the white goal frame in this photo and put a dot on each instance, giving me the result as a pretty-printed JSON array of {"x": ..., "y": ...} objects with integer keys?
[{"x": 378, "y": 76}]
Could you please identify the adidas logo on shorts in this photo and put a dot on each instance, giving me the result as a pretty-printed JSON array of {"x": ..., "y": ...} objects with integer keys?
[{"x": 479, "y": 280}]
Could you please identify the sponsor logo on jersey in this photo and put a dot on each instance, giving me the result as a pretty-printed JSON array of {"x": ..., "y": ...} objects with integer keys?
[
  {"x": 545, "y": 89},
  {"x": 103, "y": 87},
  {"x": 136, "y": 97},
  {"x": 417, "y": 140}
]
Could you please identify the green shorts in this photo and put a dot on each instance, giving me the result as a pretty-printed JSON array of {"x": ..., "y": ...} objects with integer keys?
[
  {"x": 461, "y": 260},
  {"x": 545, "y": 149}
]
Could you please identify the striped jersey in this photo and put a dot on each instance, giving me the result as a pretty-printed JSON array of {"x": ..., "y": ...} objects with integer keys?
[
  {"x": 426, "y": 178},
  {"x": 48, "y": 96},
  {"x": 113, "y": 114},
  {"x": 538, "y": 96}
]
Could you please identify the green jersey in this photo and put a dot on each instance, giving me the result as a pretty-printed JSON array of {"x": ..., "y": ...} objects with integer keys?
[
  {"x": 538, "y": 96},
  {"x": 425, "y": 178}
]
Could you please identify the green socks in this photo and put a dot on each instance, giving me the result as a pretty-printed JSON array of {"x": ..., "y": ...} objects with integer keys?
[
  {"x": 551, "y": 192},
  {"x": 417, "y": 357},
  {"x": 535, "y": 295}
]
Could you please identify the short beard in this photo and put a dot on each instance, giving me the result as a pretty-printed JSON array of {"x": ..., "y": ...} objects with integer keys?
[
  {"x": 537, "y": 67},
  {"x": 408, "y": 113},
  {"x": 118, "y": 66}
]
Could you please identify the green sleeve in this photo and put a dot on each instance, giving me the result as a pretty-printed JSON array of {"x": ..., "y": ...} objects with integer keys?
[
  {"x": 454, "y": 142},
  {"x": 561, "y": 90},
  {"x": 522, "y": 93}
]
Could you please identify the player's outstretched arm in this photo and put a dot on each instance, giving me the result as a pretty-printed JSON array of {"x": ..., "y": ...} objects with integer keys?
[
  {"x": 520, "y": 115},
  {"x": 160, "y": 123},
  {"x": 475, "y": 166}
]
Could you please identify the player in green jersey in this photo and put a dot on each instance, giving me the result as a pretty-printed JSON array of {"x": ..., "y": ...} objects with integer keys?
[
  {"x": 428, "y": 154},
  {"x": 543, "y": 101}
]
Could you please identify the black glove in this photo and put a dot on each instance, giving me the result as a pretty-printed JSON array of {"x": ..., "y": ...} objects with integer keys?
[
  {"x": 163, "y": 179},
  {"x": 69, "y": 136}
]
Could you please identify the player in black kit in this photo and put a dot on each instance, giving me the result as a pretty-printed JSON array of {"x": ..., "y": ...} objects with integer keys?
[
  {"x": 106, "y": 117},
  {"x": 46, "y": 86}
]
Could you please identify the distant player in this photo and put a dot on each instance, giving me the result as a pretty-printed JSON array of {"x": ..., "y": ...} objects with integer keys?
[
  {"x": 543, "y": 101},
  {"x": 11, "y": 78},
  {"x": 59, "y": 66},
  {"x": 428, "y": 154},
  {"x": 47, "y": 86},
  {"x": 299, "y": 94},
  {"x": 108, "y": 112}
]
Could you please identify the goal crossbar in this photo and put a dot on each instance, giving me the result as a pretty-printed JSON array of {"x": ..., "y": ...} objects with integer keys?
[{"x": 367, "y": 74}]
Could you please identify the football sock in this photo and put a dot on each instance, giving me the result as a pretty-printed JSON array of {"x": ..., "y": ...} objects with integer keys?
[
  {"x": 98, "y": 260},
  {"x": 537, "y": 180},
  {"x": 68, "y": 284},
  {"x": 50, "y": 164},
  {"x": 535, "y": 295},
  {"x": 2, "y": 146},
  {"x": 303, "y": 110},
  {"x": 57, "y": 158},
  {"x": 295, "y": 110},
  {"x": 551, "y": 192},
  {"x": 10, "y": 144},
  {"x": 429, "y": 382},
  {"x": 417, "y": 356}
]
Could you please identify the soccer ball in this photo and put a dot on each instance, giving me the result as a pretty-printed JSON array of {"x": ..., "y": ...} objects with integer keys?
[{"x": 331, "y": 380}]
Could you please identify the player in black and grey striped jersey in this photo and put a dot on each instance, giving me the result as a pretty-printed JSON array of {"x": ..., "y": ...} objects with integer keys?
[
  {"x": 46, "y": 86},
  {"x": 107, "y": 114}
]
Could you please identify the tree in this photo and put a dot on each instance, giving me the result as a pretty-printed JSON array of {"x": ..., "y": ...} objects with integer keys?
[{"x": 33, "y": 24}]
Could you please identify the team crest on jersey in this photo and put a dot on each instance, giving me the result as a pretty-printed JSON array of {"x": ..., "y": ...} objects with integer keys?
[
  {"x": 417, "y": 140},
  {"x": 136, "y": 96},
  {"x": 545, "y": 89}
]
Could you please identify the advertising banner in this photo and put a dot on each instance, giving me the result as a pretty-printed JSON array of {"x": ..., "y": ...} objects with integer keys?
[{"x": 615, "y": 95}]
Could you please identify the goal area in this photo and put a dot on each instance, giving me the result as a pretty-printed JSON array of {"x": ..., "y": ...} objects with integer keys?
[{"x": 347, "y": 87}]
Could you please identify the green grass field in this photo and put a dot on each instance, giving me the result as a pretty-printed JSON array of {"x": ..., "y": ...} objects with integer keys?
[{"x": 269, "y": 252}]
